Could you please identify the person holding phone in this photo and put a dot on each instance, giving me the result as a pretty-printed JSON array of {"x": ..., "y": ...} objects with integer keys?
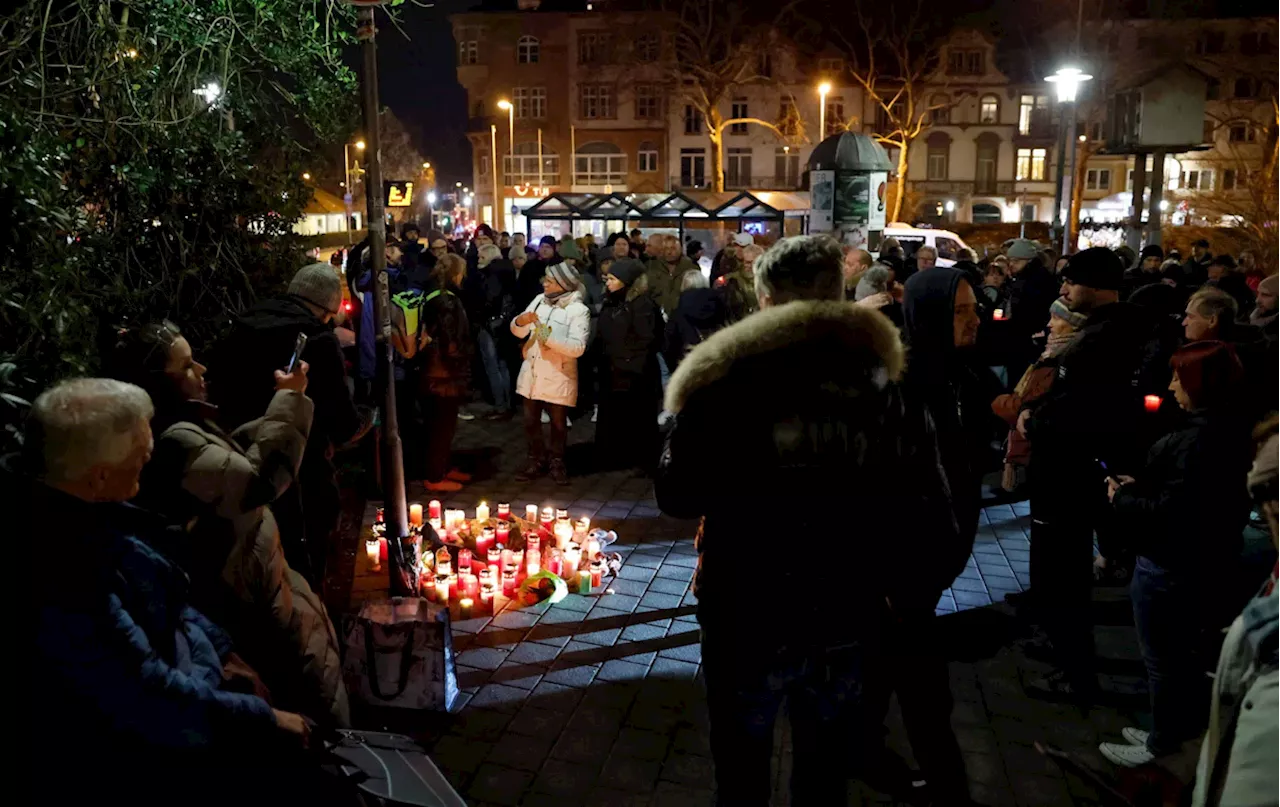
[{"x": 1186, "y": 512}]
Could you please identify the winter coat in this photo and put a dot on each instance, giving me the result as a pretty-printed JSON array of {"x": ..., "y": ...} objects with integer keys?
[
  {"x": 788, "y": 424},
  {"x": 220, "y": 486},
  {"x": 529, "y": 283},
  {"x": 1035, "y": 382},
  {"x": 499, "y": 296},
  {"x": 1031, "y": 293},
  {"x": 630, "y": 334},
  {"x": 665, "y": 280},
  {"x": 125, "y": 667},
  {"x": 955, "y": 387},
  {"x": 1188, "y": 508},
  {"x": 699, "y": 314},
  {"x": 446, "y": 360},
  {"x": 367, "y": 364},
  {"x": 1193, "y": 274},
  {"x": 550, "y": 369},
  {"x": 1238, "y": 756}
]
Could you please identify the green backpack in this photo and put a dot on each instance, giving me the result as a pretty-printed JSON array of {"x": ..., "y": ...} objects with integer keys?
[{"x": 411, "y": 304}]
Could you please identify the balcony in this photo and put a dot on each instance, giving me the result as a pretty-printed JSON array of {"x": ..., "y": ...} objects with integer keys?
[
  {"x": 982, "y": 187},
  {"x": 1036, "y": 126},
  {"x": 736, "y": 183}
]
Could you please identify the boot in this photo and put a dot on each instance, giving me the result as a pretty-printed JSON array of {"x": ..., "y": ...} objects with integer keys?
[
  {"x": 532, "y": 469},
  {"x": 559, "y": 474}
]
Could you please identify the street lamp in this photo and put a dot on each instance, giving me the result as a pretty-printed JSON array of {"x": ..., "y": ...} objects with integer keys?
[
  {"x": 306, "y": 176},
  {"x": 457, "y": 184},
  {"x": 1066, "y": 82},
  {"x": 425, "y": 166},
  {"x": 823, "y": 89}
]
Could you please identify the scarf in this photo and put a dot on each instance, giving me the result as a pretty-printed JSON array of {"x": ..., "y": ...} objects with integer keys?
[{"x": 1058, "y": 343}]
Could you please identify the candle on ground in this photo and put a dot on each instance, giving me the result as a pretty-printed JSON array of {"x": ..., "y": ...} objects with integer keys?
[
  {"x": 482, "y": 512},
  {"x": 548, "y": 516},
  {"x": 469, "y": 585},
  {"x": 453, "y": 587},
  {"x": 415, "y": 515},
  {"x": 531, "y": 512},
  {"x": 563, "y": 532},
  {"x": 504, "y": 511},
  {"x": 494, "y": 554},
  {"x": 426, "y": 582},
  {"x": 485, "y": 540},
  {"x": 488, "y": 592},
  {"x": 464, "y": 560},
  {"x": 382, "y": 549},
  {"x": 597, "y": 572},
  {"x": 464, "y": 608},
  {"x": 503, "y": 532},
  {"x": 584, "y": 582},
  {"x": 373, "y": 551},
  {"x": 555, "y": 562},
  {"x": 444, "y": 563},
  {"x": 572, "y": 558},
  {"x": 442, "y": 590},
  {"x": 592, "y": 548},
  {"x": 533, "y": 561},
  {"x": 434, "y": 510},
  {"x": 509, "y": 581},
  {"x": 532, "y": 541}
]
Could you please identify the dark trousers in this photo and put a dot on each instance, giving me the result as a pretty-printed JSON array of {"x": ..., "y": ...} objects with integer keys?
[
  {"x": 919, "y": 675},
  {"x": 1066, "y": 500},
  {"x": 1168, "y": 613},
  {"x": 746, "y": 685},
  {"x": 559, "y": 415},
  {"x": 441, "y": 419}
]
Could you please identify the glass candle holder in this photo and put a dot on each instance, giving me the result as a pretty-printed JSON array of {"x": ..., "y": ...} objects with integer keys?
[
  {"x": 532, "y": 561},
  {"x": 555, "y": 562},
  {"x": 435, "y": 510},
  {"x": 504, "y": 511},
  {"x": 584, "y": 582},
  {"x": 488, "y": 594},
  {"x": 531, "y": 512},
  {"x": 464, "y": 608},
  {"x": 548, "y": 517},
  {"x": 464, "y": 560},
  {"x": 444, "y": 563},
  {"x": 509, "y": 581},
  {"x": 532, "y": 541},
  {"x": 502, "y": 533},
  {"x": 415, "y": 515},
  {"x": 597, "y": 572},
  {"x": 442, "y": 590},
  {"x": 373, "y": 552},
  {"x": 482, "y": 512}
]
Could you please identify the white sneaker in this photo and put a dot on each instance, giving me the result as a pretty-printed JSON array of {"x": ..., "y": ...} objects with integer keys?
[
  {"x": 545, "y": 417},
  {"x": 665, "y": 417},
  {"x": 595, "y": 410},
  {"x": 466, "y": 416},
  {"x": 1125, "y": 755},
  {"x": 1135, "y": 736}
]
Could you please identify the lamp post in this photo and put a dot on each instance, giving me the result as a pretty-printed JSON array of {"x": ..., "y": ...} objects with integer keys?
[
  {"x": 823, "y": 89},
  {"x": 493, "y": 149},
  {"x": 1066, "y": 82},
  {"x": 431, "y": 207},
  {"x": 510, "y": 109}
]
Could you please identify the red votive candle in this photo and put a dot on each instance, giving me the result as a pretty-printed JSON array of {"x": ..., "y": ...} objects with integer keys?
[
  {"x": 1152, "y": 403},
  {"x": 532, "y": 541},
  {"x": 504, "y": 511},
  {"x": 503, "y": 532},
  {"x": 555, "y": 562},
  {"x": 464, "y": 560},
  {"x": 509, "y": 581},
  {"x": 382, "y": 550},
  {"x": 434, "y": 510}
]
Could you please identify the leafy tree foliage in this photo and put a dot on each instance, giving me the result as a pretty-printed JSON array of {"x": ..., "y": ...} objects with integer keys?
[{"x": 150, "y": 161}]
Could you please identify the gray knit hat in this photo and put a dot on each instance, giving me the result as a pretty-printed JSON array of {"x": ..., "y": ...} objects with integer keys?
[
  {"x": 1023, "y": 248},
  {"x": 1059, "y": 309},
  {"x": 318, "y": 284},
  {"x": 565, "y": 275},
  {"x": 874, "y": 281}
]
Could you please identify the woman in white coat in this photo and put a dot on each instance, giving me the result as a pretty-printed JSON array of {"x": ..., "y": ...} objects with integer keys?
[{"x": 557, "y": 326}]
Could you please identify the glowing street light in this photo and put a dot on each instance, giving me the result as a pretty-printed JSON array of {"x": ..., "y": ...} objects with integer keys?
[
  {"x": 425, "y": 166},
  {"x": 510, "y": 109},
  {"x": 359, "y": 144},
  {"x": 306, "y": 176},
  {"x": 1067, "y": 81},
  {"x": 431, "y": 198},
  {"x": 457, "y": 184},
  {"x": 823, "y": 89},
  {"x": 210, "y": 92}
]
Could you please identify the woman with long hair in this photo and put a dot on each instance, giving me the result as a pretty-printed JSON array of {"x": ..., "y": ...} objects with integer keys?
[{"x": 219, "y": 486}]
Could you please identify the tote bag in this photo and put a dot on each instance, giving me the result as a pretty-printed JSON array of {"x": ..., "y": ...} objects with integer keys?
[{"x": 400, "y": 654}]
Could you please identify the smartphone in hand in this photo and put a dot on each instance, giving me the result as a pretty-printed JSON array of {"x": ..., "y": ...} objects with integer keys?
[{"x": 298, "y": 347}]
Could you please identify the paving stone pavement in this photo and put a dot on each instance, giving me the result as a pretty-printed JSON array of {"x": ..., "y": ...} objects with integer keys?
[{"x": 597, "y": 700}]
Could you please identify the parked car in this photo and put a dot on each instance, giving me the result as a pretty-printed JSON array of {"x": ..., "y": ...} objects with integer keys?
[{"x": 912, "y": 238}]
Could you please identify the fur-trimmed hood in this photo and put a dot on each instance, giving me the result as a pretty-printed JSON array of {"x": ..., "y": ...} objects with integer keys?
[{"x": 857, "y": 344}]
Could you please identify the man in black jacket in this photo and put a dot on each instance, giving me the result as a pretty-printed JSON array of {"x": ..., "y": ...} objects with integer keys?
[
  {"x": 1092, "y": 416},
  {"x": 1031, "y": 292},
  {"x": 262, "y": 342},
  {"x": 1195, "y": 272},
  {"x": 788, "y": 424}
]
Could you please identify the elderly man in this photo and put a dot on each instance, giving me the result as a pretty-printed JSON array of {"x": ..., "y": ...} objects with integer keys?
[
  {"x": 826, "y": 422},
  {"x": 134, "y": 673},
  {"x": 926, "y": 258},
  {"x": 262, "y": 342},
  {"x": 665, "y": 271}
]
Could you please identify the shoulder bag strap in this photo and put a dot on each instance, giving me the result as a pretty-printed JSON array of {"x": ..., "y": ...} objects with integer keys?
[{"x": 406, "y": 661}]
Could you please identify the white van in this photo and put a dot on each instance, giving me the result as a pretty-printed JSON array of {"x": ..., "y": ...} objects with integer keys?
[{"x": 911, "y": 238}]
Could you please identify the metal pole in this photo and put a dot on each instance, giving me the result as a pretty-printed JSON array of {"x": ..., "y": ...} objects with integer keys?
[
  {"x": 573, "y": 155},
  {"x": 1133, "y": 237},
  {"x": 346, "y": 186},
  {"x": 541, "y": 184},
  {"x": 400, "y": 569},
  {"x": 1157, "y": 192},
  {"x": 1057, "y": 189},
  {"x": 1068, "y": 180},
  {"x": 493, "y": 149}
]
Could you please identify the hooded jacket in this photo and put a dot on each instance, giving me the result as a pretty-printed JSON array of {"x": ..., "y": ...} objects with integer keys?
[
  {"x": 446, "y": 360},
  {"x": 220, "y": 486},
  {"x": 1031, "y": 293},
  {"x": 550, "y": 369},
  {"x": 954, "y": 386},
  {"x": 700, "y": 313},
  {"x": 630, "y": 335},
  {"x": 790, "y": 423}
]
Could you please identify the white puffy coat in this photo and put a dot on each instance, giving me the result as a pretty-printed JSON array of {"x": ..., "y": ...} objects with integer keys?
[{"x": 550, "y": 369}]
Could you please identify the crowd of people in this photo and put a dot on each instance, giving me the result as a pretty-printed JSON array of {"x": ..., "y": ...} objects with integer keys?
[{"x": 1122, "y": 393}]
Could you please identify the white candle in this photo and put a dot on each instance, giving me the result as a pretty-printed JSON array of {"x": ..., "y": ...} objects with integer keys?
[
  {"x": 373, "y": 551},
  {"x": 442, "y": 590},
  {"x": 531, "y": 512},
  {"x": 482, "y": 512},
  {"x": 415, "y": 515},
  {"x": 563, "y": 532}
]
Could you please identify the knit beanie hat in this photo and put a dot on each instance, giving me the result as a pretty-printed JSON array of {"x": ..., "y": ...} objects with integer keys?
[
  {"x": 628, "y": 270},
  {"x": 1059, "y": 309},
  {"x": 565, "y": 275},
  {"x": 1096, "y": 267},
  {"x": 548, "y": 240},
  {"x": 1153, "y": 251},
  {"x": 1023, "y": 249}
]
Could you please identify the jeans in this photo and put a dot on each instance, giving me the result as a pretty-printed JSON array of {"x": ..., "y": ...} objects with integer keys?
[
  {"x": 496, "y": 369},
  {"x": 1168, "y": 615},
  {"x": 746, "y": 685},
  {"x": 559, "y": 415}
]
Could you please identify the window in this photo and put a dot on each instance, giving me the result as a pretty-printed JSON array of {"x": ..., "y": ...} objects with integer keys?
[
  {"x": 1031, "y": 165},
  {"x": 1033, "y": 112},
  {"x": 647, "y": 158},
  {"x": 966, "y": 63},
  {"x": 593, "y": 47},
  {"x": 939, "y": 145},
  {"x": 484, "y": 165},
  {"x": 764, "y": 65},
  {"x": 739, "y": 111},
  {"x": 1197, "y": 180},
  {"x": 469, "y": 52},
  {"x": 1255, "y": 43},
  {"x": 1210, "y": 42},
  {"x": 595, "y": 101},
  {"x": 692, "y": 120},
  {"x": 885, "y": 121},
  {"x": 986, "y": 214},
  {"x": 1095, "y": 131},
  {"x": 530, "y": 102},
  {"x": 835, "y": 116},
  {"x": 648, "y": 47},
  {"x": 1097, "y": 179},
  {"x": 738, "y": 170},
  {"x": 1241, "y": 133},
  {"x": 831, "y": 67},
  {"x": 648, "y": 102},
  {"x": 521, "y": 168},
  {"x": 786, "y": 166},
  {"x": 693, "y": 168},
  {"x": 788, "y": 118},
  {"x": 940, "y": 108},
  {"x": 1229, "y": 179},
  {"x": 599, "y": 164},
  {"x": 989, "y": 109},
  {"x": 1029, "y": 212},
  {"x": 1212, "y": 89},
  {"x": 1244, "y": 87},
  {"x": 988, "y": 144},
  {"x": 527, "y": 48}
]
